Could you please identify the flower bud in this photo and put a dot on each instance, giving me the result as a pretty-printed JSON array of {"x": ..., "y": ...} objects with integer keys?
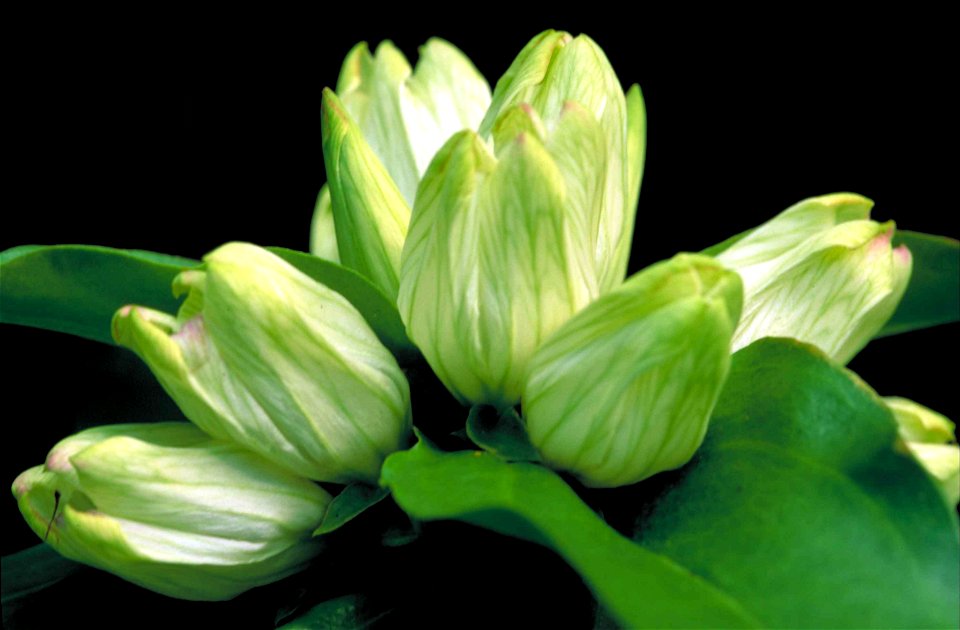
[
  {"x": 821, "y": 272},
  {"x": 930, "y": 437},
  {"x": 380, "y": 132},
  {"x": 493, "y": 264},
  {"x": 262, "y": 355},
  {"x": 171, "y": 509},
  {"x": 626, "y": 387},
  {"x": 553, "y": 70},
  {"x": 370, "y": 215}
]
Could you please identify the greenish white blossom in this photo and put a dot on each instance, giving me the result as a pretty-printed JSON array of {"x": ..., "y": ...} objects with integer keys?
[
  {"x": 263, "y": 355},
  {"x": 625, "y": 388},
  {"x": 518, "y": 227},
  {"x": 821, "y": 272},
  {"x": 380, "y": 130},
  {"x": 173, "y": 510},
  {"x": 552, "y": 71},
  {"x": 929, "y": 436},
  {"x": 406, "y": 114},
  {"x": 492, "y": 266}
]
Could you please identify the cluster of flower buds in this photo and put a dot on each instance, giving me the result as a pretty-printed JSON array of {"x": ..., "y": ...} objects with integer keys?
[
  {"x": 264, "y": 356},
  {"x": 500, "y": 224},
  {"x": 285, "y": 383},
  {"x": 380, "y": 130},
  {"x": 518, "y": 226}
]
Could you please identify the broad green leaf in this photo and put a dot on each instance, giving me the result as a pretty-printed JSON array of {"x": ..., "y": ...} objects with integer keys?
[
  {"x": 348, "y": 612},
  {"x": 500, "y": 433},
  {"x": 347, "y": 505},
  {"x": 800, "y": 506},
  {"x": 933, "y": 295},
  {"x": 32, "y": 570},
  {"x": 76, "y": 289},
  {"x": 375, "y": 307},
  {"x": 528, "y": 501}
]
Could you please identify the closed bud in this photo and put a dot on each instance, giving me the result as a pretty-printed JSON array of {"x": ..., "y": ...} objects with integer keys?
[
  {"x": 380, "y": 131},
  {"x": 930, "y": 437},
  {"x": 263, "y": 355},
  {"x": 493, "y": 264},
  {"x": 821, "y": 272},
  {"x": 173, "y": 510},
  {"x": 370, "y": 216},
  {"x": 553, "y": 71},
  {"x": 626, "y": 387}
]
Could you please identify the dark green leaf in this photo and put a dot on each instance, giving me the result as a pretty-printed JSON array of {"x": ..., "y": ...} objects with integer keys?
[
  {"x": 32, "y": 570},
  {"x": 347, "y": 612},
  {"x": 800, "y": 506},
  {"x": 351, "y": 501},
  {"x": 500, "y": 434},
  {"x": 379, "y": 311},
  {"x": 528, "y": 501},
  {"x": 933, "y": 295},
  {"x": 76, "y": 289}
]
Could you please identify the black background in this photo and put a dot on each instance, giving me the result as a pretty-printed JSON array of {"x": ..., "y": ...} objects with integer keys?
[{"x": 177, "y": 135}]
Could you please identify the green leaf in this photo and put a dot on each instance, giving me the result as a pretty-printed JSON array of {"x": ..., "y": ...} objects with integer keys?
[
  {"x": 347, "y": 612},
  {"x": 76, "y": 289},
  {"x": 376, "y": 308},
  {"x": 799, "y": 511},
  {"x": 933, "y": 295},
  {"x": 500, "y": 434},
  {"x": 347, "y": 505},
  {"x": 528, "y": 501},
  {"x": 32, "y": 570},
  {"x": 800, "y": 506}
]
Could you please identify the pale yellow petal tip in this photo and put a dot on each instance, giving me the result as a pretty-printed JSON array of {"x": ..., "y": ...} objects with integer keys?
[
  {"x": 131, "y": 320},
  {"x": 187, "y": 280},
  {"x": 25, "y": 482},
  {"x": 834, "y": 200},
  {"x": 882, "y": 240},
  {"x": 236, "y": 253},
  {"x": 351, "y": 72},
  {"x": 440, "y": 46},
  {"x": 333, "y": 115},
  {"x": 118, "y": 325},
  {"x": 58, "y": 460},
  {"x": 847, "y": 206}
]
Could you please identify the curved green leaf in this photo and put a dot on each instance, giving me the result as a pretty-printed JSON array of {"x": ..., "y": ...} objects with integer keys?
[
  {"x": 502, "y": 434},
  {"x": 641, "y": 588},
  {"x": 76, "y": 289},
  {"x": 347, "y": 505},
  {"x": 347, "y": 612},
  {"x": 933, "y": 295},
  {"x": 800, "y": 506},
  {"x": 379, "y": 311},
  {"x": 32, "y": 570}
]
